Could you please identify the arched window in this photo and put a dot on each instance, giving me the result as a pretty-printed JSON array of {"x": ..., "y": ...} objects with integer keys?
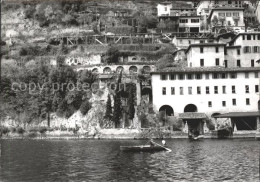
[
  {"x": 107, "y": 70},
  {"x": 133, "y": 69},
  {"x": 95, "y": 70},
  {"x": 215, "y": 114},
  {"x": 147, "y": 69},
  {"x": 168, "y": 110},
  {"x": 190, "y": 108},
  {"x": 119, "y": 69},
  {"x": 134, "y": 59}
]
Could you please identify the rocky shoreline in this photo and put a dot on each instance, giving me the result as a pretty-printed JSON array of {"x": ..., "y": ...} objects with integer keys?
[{"x": 115, "y": 134}]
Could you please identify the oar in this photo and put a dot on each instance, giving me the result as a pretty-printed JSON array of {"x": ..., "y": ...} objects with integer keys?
[{"x": 169, "y": 150}]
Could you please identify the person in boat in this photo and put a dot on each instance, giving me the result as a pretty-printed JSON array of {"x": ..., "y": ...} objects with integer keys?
[
  {"x": 163, "y": 142},
  {"x": 151, "y": 143}
]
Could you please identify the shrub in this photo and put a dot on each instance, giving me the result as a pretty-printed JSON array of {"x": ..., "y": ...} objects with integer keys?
[
  {"x": 210, "y": 125},
  {"x": 75, "y": 130},
  {"x": 50, "y": 129},
  {"x": 63, "y": 128},
  {"x": 144, "y": 121},
  {"x": 43, "y": 130},
  {"x": 32, "y": 134},
  {"x": 112, "y": 55},
  {"x": 85, "y": 107},
  {"x": 5, "y": 130},
  {"x": 33, "y": 130},
  {"x": 23, "y": 52},
  {"x": 20, "y": 130},
  {"x": 13, "y": 130}
]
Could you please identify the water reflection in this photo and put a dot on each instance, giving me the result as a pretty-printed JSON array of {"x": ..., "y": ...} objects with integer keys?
[{"x": 91, "y": 160}]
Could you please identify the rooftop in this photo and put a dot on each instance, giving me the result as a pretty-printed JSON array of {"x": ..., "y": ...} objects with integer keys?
[
  {"x": 165, "y": 2},
  {"x": 204, "y": 70},
  {"x": 226, "y": 35},
  {"x": 238, "y": 114},
  {"x": 245, "y": 33},
  {"x": 225, "y": 9},
  {"x": 204, "y": 45}
]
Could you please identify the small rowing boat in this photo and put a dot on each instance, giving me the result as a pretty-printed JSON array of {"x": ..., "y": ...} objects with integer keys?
[
  {"x": 145, "y": 148},
  {"x": 198, "y": 137}
]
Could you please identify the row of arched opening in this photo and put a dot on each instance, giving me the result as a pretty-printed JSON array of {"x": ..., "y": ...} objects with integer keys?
[
  {"x": 132, "y": 69},
  {"x": 170, "y": 112},
  {"x": 135, "y": 59},
  {"x": 188, "y": 108}
]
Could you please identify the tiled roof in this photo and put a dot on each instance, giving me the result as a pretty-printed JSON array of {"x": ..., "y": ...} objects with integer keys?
[
  {"x": 204, "y": 69},
  {"x": 204, "y": 45},
  {"x": 233, "y": 47},
  {"x": 165, "y": 2},
  {"x": 245, "y": 33},
  {"x": 238, "y": 114},
  {"x": 192, "y": 115},
  {"x": 226, "y": 35}
]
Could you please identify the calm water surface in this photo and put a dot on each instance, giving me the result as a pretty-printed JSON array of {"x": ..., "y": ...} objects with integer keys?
[{"x": 101, "y": 160}]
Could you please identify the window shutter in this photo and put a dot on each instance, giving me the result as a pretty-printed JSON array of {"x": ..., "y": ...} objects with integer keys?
[{"x": 244, "y": 49}]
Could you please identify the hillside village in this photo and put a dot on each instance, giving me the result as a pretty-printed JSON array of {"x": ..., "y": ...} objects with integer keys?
[{"x": 171, "y": 65}]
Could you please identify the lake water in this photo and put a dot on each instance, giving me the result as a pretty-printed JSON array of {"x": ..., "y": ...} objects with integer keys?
[{"x": 101, "y": 160}]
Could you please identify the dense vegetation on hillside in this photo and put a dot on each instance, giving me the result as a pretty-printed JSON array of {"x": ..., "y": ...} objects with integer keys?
[{"x": 31, "y": 93}]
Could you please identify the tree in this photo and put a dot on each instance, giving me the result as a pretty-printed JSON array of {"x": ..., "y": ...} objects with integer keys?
[
  {"x": 144, "y": 121},
  {"x": 117, "y": 114},
  {"x": 131, "y": 103},
  {"x": 85, "y": 107},
  {"x": 108, "y": 114},
  {"x": 166, "y": 61},
  {"x": 88, "y": 77},
  {"x": 161, "y": 25},
  {"x": 215, "y": 20},
  {"x": 112, "y": 55}
]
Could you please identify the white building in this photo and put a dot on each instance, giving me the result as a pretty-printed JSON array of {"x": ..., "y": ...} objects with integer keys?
[
  {"x": 244, "y": 50},
  {"x": 164, "y": 8},
  {"x": 196, "y": 94},
  {"x": 257, "y": 12},
  {"x": 189, "y": 23},
  {"x": 227, "y": 17},
  {"x": 211, "y": 90},
  {"x": 204, "y": 7},
  {"x": 184, "y": 42},
  {"x": 214, "y": 82},
  {"x": 183, "y": 11},
  {"x": 206, "y": 55}
]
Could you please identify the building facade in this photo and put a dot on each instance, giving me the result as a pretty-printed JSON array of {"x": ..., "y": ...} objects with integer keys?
[
  {"x": 227, "y": 17},
  {"x": 209, "y": 90},
  {"x": 206, "y": 55},
  {"x": 220, "y": 80},
  {"x": 189, "y": 23},
  {"x": 164, "y": 9}
]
